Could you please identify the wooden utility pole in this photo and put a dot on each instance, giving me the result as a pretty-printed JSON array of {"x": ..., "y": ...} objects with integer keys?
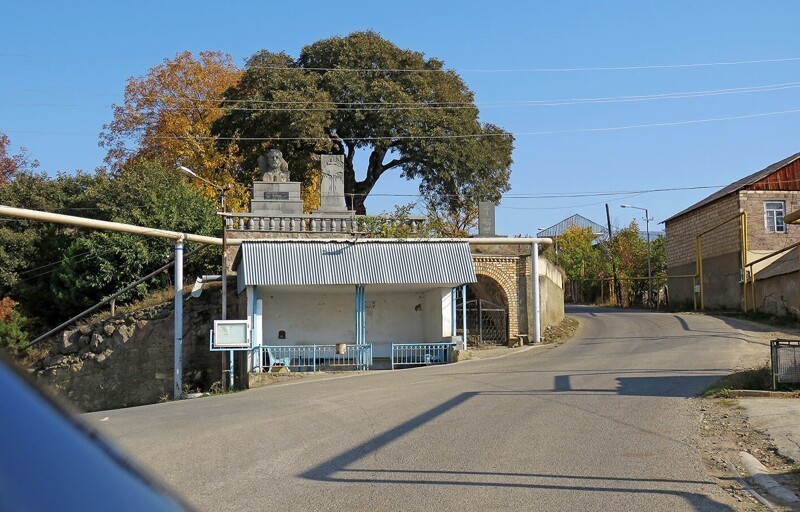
[{"x": 613, "y": 263}]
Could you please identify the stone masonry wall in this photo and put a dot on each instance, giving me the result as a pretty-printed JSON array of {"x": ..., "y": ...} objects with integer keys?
[
  {"x": 127, "y": 360},
  {"x": 681, "y": 233},
  {"x": 759, "y": 241},
  {"x": 513, "y": 274},
  {"x": 503, "y": 269}
]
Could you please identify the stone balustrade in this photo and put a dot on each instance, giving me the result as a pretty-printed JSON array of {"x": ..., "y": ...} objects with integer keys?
[{"x": 346, "y": 223}]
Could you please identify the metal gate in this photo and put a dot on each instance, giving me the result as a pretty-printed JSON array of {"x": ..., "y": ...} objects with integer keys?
[{"x": 487, "y": 323}]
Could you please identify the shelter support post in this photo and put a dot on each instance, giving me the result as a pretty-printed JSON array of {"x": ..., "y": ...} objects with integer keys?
[
  {"x": 361, "y": 316},
  {"x": 464, "y": 316},
  {"x": 255, "y": 305},
  {"x": 178, "y": 345}
]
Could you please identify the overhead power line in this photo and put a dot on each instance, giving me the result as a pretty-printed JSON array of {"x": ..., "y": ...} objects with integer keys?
[
  {"x": 289, "y": 106},
  {"x": 449, "y": 136},
  {"x": 446, "y": 70}
]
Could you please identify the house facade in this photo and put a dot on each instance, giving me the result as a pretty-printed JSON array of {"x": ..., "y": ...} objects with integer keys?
[{"x": 709, "y": 244}]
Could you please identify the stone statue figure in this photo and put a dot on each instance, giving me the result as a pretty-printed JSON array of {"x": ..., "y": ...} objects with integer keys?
[
  {"x": 273, "y": 167},
  {"x": 332, "y": 186}
]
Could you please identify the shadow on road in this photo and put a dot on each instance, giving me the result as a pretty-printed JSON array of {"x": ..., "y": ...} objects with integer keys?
[
  {"x": 339, "y": 469},
  {"x": 679, "y": 386}
]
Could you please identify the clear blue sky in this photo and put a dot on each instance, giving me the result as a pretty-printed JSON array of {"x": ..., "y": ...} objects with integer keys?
[{"x": 63, "y": 63}]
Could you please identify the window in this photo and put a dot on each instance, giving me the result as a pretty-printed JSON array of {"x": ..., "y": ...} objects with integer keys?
[{"x": 773, "y": 216}]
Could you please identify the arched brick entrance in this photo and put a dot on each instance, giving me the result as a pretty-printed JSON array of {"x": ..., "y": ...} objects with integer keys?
[{"x": 504, "y": 270}]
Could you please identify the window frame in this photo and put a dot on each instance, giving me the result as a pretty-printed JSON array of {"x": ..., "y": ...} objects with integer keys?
[{"x": 776, "y": 215}]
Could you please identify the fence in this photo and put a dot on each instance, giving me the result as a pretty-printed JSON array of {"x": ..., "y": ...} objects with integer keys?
[
  {"x": 631, "y": 291},
  {"x": 320, "y": 223},
  {"x": 312, "y": 358},
  {"x": 417, "y": 354}
]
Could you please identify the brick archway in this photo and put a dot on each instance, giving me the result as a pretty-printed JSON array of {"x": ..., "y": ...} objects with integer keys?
[{"x": 504, "y": 271}]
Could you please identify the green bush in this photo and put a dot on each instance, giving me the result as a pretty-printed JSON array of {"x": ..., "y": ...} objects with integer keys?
[{"x": 13, "y": 337}]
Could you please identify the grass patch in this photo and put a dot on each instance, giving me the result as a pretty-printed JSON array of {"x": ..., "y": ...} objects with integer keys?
[
  {"x": 756, "y": 378},
  {"x": 759, "y": 379}
]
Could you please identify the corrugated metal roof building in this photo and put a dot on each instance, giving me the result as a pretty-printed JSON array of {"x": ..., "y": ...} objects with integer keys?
[
  {"x": 363, "y": 291},
  {"x": 314, "y": 263}
]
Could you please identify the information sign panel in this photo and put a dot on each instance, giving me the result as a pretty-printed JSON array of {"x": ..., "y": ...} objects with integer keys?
[{"x": 231, "y": 334}]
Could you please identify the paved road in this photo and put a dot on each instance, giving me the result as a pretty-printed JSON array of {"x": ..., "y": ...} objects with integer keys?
[{"x": 600, "y": 423}]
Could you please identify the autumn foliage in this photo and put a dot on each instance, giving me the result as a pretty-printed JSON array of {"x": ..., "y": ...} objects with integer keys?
[
  {"x": 12, "y": 164},
  {"x": 167, "y": 115},
  {"x": 6, "y": 307}
]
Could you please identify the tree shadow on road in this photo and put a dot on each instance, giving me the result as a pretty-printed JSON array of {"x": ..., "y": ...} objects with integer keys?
[{"x": 343, "y": 469}]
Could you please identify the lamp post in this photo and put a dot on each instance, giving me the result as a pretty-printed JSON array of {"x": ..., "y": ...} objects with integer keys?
[
  {"x": 222, "y": 193},
  {"x": 649, "y": 271}
]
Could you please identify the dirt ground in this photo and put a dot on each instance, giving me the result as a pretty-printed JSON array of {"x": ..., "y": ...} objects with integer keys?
[{"x": 724, "y": 431}]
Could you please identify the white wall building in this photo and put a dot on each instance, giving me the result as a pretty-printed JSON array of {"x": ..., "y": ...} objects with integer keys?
[{"x": 359, "y": 291}]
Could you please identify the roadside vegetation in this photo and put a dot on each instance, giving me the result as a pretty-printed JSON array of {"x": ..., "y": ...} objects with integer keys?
[
  {"x": 590, "y": 265},
  {"x": 203, "y": 112},
  {"x": 560, "y": 333}
]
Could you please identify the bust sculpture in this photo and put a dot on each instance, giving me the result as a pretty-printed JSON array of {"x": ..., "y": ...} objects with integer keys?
[{"x": 273, "y": 167}]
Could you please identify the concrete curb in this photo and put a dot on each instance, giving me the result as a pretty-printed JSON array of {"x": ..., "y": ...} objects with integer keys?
[
  {"x": 756, "y": 393},
  {"x": 760, "y": 476}
]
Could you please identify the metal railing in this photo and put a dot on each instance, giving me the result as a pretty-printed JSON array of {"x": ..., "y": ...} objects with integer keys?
[
  {"x": 785, "y": 359},
  {"x": 417, "y": 354},
  {"x": 313, "y": 358},
  {"x": 319, "y": 223}
]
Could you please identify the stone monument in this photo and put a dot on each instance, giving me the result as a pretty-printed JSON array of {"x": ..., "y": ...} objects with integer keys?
[
  {"x": 486, "y": 218},
  {"x": 275, "y": 195},
  {"x": 332, "y": 187}
]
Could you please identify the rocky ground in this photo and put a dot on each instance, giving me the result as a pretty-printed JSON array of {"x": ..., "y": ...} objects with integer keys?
[{"x": 724, "y": 430}]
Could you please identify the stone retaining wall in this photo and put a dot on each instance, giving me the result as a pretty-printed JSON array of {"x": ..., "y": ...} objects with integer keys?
[{"x": 128, "y": 360}]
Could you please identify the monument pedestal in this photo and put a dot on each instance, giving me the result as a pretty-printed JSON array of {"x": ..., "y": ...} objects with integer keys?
[{"x": 276, "y": 198}]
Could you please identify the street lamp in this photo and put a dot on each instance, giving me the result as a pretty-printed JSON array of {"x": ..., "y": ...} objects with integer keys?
[
  {"x": 222, "y": 192},
  {"x": 649, "y": 271}
]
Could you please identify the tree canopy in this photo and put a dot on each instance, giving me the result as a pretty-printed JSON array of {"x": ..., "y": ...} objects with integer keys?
[
  {"x": 167, "y": 116},
  {"x": 363, "y": 93},
  {"x": 68, "y": 269}
]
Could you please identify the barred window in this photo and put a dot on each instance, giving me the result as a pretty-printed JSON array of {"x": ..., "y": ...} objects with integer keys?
[{"x": 773, "y": 216}]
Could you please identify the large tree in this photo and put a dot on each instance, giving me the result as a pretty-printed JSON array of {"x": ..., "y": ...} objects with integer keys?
[
  {"x": 167, "y": 116},
  {"x": 407, "y": 112},
  {"x": 40, "y": 261}
]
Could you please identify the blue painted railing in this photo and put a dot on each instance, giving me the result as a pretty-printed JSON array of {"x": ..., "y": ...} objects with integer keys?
[
  {"x": 312, "y": 358},
  {"x": 414, "y": 354}
]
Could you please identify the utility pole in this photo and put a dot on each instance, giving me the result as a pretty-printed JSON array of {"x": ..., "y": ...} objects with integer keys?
[
  {"x": 617, "y": 297},
  {"x": 222, "y": 193}
]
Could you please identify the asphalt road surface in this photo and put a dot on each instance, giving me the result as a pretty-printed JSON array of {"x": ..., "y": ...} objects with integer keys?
[{"x": 602, "y": 422}]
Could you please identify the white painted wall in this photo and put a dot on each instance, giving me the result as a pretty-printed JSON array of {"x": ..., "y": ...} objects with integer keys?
[
  {"x": 447, "y": 313},
  {"x": 329, "y": 317},
  {"x": 437, "y": 315},
  {"x": 308, "y": 318},
  {"x": 394, "y": 318}
]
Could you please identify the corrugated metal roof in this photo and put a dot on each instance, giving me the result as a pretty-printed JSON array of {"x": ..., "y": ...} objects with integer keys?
[
  {"x": 738, "y": 185},
  {"x": 574, "y": 220},
  {"x": 308, "y": 263}
]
